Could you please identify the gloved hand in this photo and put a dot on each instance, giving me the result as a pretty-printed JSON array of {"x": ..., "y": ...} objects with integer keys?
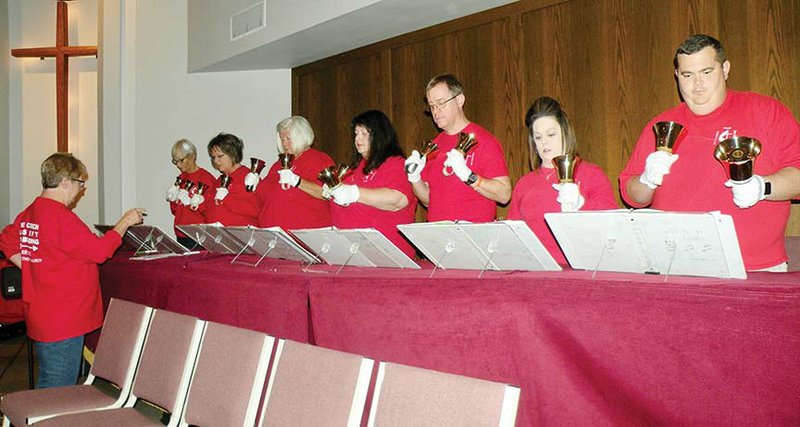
[
  {"x": 251, "y": 180},
  {"x": 414, "y": 165},
  {"x": 288, "y": 179},
  {"x": 345, "y": 194},
  {"x": 172, "y": 193},
  {"x": 183, "y": 197},
  {"x": 326, "y": 192},
  {"x": 222, "y": 192},
  {"x": 569, "y": 195},
  {"x": 456, "y": 162},
  {"x": 657, "y": 165},
  {"x": 747, "y": 193},
  {"x": 196, "y": 201}
]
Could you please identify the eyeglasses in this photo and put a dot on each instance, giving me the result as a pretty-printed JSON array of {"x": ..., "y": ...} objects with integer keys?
[
  {"x": 438, "y": 105},
  {"x": 175, "y": 162},
  {"x": 80, "y": 182}
]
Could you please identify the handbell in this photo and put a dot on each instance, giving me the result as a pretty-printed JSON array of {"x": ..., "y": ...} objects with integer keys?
[
  {"x": 466, "y": 142},
  {"x": 565, "y": 165},
  {"x": 428, "y": 148},
  {"x": 178, "y": 182},
  {"x": 739, "y": 153},
  {"x": 668, "y": 136},
  {"x": 201, "y": 188},
  {"x": 224, "y": 181},
  {"x": 188, "y": 185},
  {"x": 286, "y": 160},
  {"x": 257, "y": 165},
  {"x": 332, "y": 176}
]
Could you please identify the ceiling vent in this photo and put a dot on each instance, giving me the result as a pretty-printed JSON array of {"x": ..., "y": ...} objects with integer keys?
[{"x": 248, "y": 21}]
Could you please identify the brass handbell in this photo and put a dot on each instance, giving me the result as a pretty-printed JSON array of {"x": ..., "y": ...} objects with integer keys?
[
  {"x": 286, "y": 160},
  {"x": 565, "y": 165},
  {"x": 739, "y": 153},
  {"x": 332, "y": 176},
  {"x": 428, "y": 148},
  {"x": 256, "y": 166},
  {"x": 466, "y": 142},
  {"x": 178, "y": 182},
  {"x": 201, "y": 188},
  {"x": 224, "y": 181},
  {"x": 668, "y": 135},
  {"x": 188, "y": 185}
]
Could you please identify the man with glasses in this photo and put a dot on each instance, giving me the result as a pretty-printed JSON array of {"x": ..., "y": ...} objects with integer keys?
[
  {"x": 58, "y": 255},
  {"x": 454, "y": 185}
]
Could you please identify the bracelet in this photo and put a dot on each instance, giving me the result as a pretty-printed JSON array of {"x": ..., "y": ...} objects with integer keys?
[{"x": 298, "y": 182}]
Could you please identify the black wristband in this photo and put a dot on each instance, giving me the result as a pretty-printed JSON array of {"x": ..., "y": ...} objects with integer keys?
[
  {"x": 473, "y": 178},
  {"x": 298, "y": 182},
  {"x": 767, "y": 188}
]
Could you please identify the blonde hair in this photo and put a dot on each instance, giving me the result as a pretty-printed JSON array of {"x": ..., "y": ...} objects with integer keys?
[{"x": 59, "y": 166}]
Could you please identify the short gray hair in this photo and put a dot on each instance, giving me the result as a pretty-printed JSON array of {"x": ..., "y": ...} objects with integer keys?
[
  {"x": 183, "y": 148},
  {"x": 299, "y": 131}
]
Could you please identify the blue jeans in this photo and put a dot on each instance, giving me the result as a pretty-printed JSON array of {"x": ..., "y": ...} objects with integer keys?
[{"x": 59, "y": 362}]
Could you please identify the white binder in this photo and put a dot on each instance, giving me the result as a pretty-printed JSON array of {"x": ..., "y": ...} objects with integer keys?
[{"x": 362, "y": 247}]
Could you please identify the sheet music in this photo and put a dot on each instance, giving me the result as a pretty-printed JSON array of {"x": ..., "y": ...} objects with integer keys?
[
  {"x": 148, "y": 242},
  {"x": 215, "y": 239},
  {"x": 365, "y": 247},
  {"x": 272, "y": 242}
]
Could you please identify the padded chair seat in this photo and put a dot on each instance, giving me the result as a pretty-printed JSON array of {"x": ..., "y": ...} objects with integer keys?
[
  {"x": 124, "y": 417},
  {"x": 21, "y": 406}
]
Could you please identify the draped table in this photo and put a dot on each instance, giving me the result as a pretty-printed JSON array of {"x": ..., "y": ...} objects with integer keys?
[{"x": 609, "y": 349}]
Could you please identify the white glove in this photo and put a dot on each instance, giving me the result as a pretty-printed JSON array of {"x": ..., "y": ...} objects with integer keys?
[
  {"x": 172, "y": 193},
  {"x": 288, "y": 178},
  {"x": 456, "y": 162},
  {"x": 414, "y": 165},
  {"x": 747, "y": 193},
  {"x": 196, "y": 201},
  {"x": 183, "y": 196},
  {"x": 222, "y": 192},
  {"x": 326, "y": 192},
  {"x": 569, "y": 195},
  {"x": 345, "y": 194},
  {"x": 251, "y": 180},
  {"x": 656, "y": 166}
]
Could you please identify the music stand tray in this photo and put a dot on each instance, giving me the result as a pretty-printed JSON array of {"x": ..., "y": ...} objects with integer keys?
[
  {"x": 650, "y": 241},
  {"x": 148, "y": 241},
  {"x": 499, "y": 245},
  {"x": 361, "y": 247},
  {"x": 271, "y": 242}
]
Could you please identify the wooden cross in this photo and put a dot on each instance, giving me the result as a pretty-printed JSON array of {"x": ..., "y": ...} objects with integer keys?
[{"x": 61, "y": 51}]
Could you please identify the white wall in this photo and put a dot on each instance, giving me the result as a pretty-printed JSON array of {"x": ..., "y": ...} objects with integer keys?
[
  {"x": 150, "y": 101},
  {"x": 5, "y": 161}
]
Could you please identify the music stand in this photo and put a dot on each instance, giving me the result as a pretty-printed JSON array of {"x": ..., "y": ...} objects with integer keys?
[
  {"x": 499, "y": 245},
  {"x": 270, "y": 242},
  {"x": 214, "y": 239},
  {"x": 149, "y": 241},
  {"x": 361, "y": 247},
  {"x": 650, "y": 241}
]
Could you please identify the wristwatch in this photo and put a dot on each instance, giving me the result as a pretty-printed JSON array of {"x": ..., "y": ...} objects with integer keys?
[
  {"x": 473, "y": 178},
  {"x": 767, "y": 188}
]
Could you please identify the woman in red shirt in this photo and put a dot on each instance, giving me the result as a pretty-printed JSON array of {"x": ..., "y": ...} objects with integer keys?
[
  {"x": 192, "y": 195},
  {"x": 233, "y": 203}
]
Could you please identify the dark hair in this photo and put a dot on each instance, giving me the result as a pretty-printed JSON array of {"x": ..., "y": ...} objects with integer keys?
[
  {"x": 229, "y": 144},
  {"x": 59, "y": 166},
  {"x": 383, "y": 141},
  {"x": 549, "y": 107},
  {"x": 697, "y": 42}
]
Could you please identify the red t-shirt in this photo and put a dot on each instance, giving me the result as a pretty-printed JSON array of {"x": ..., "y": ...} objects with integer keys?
[
  {"x": 239, "y": 207},
  {"x": 695, "y": 181},
  {"x": 534, "y": 196},
  {"x": 294, "y": 209},
  {"x": 391, "y": 174},
  {"x": 184, "y": 214},
  {"x": 60, "y": 280},
  {"x": 450, "y": 198}
]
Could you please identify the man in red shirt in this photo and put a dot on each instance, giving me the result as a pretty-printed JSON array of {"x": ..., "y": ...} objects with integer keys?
[{"x": 58, "y": 255}]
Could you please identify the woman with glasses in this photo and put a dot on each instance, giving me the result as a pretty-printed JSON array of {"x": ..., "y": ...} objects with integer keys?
[
  {"x": 377, "y": 193},
  {"x": 291, "y": 197},
  {"x": 233, "y": 203},
  {"x": 550, "y": 134},
  {"x": 191, "y": 196}
]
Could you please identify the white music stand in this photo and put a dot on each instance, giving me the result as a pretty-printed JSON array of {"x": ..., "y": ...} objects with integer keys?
[
  {"x": 650, "y": 241},
  {"x": 500, "y": 245},
  {"x": 148, "y": 242},
  {"x": 361, "y": 247},
  {"x": 270, "y": 242},
  {"x": 215, "y": 239}
]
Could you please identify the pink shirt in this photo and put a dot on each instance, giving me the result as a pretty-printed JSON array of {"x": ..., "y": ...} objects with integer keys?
[
  {"x": 239, "y": 207},
  {"x": 695, "y": 182},
  {"x": 391, "y": 174},
  {"x": 184, "y": 214},
  {"x": 450, "y": 198},
  {"x": 534, "y": 196},
  {"x": 294, "y": 209}
]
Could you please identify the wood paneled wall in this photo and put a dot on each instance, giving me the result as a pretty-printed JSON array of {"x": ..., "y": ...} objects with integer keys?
[{"x": 609, "y": 62}]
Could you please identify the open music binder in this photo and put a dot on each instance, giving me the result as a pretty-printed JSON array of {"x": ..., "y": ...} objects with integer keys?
[
  {"x": 500, "y": 245},
  {"x": 271, "y": 242},
  {"x": 148, "y": 242},
  {"x": 650, "y": 241},
  {"x": 362, "y": 247}
]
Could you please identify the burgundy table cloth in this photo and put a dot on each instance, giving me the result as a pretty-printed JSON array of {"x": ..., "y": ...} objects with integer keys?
[{"x": 617, "y": 349}]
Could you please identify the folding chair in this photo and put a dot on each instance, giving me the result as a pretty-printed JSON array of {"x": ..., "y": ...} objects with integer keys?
[
  {"x": 114, "y": 365},
  {"x": 162, "y": 379},
  {"x": 228, "y": 378},
  {"x": 409, "y": 396},
  {"x": 315, "y": 386}
]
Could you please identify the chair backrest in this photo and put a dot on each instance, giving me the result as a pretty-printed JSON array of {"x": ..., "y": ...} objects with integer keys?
[
  {"x": 409, "y": 396},
  {"x": 315, "y": 386},
  {"x": 228, "y": 378},
  {"x": 120, "y": 344},
  {"x": 168, "y": 358}
]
